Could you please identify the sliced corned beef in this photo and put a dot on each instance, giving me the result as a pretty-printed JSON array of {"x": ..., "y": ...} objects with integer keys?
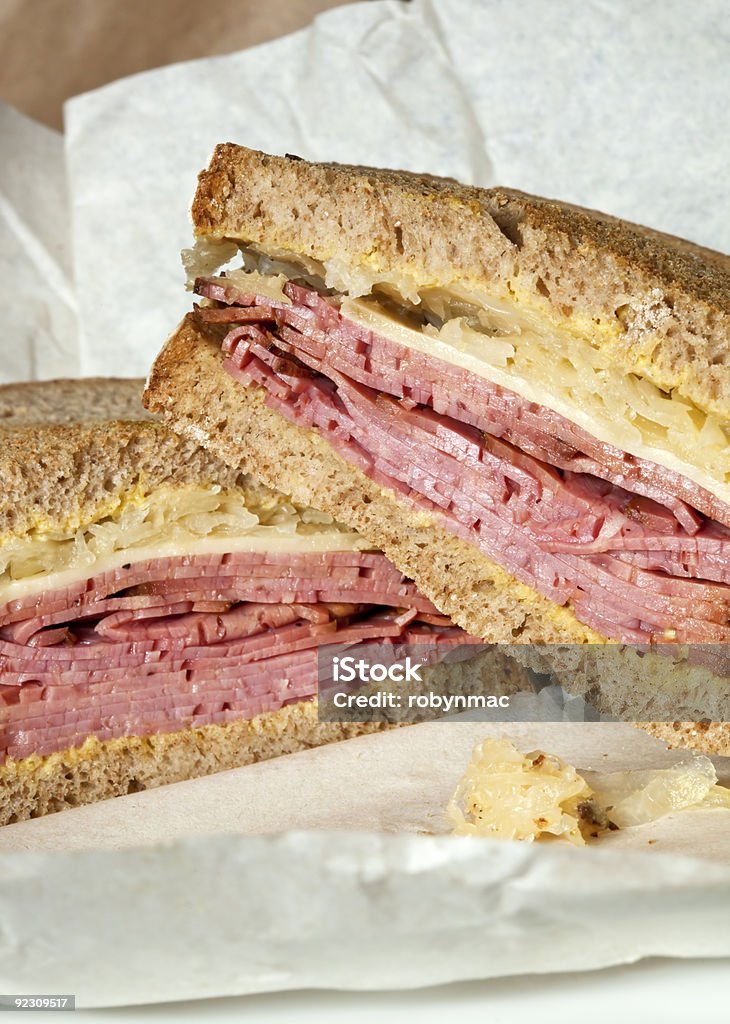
[
  {"x": 640, "y": 552},
  {"x": 171, "y": 643}
]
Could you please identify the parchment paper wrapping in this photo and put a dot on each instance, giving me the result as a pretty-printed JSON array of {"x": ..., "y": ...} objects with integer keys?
[
  {"x": 188, "y": 891},
  {"x": 616, "y": 105},
  {"x": 38, "y": 336},
  {"x": 150, "y": 897}
]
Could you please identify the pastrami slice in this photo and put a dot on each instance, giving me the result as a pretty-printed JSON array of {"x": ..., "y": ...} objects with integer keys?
[
  {"x": 640, "y": 552},
  {"x": 168, "y": 643}
]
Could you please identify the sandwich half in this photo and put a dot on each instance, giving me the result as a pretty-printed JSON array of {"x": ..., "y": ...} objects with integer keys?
[
  {"x": 160, "y": 612},
  {"x": 524, "y": 404}
]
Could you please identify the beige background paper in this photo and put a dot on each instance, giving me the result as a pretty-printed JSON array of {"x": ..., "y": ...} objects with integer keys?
[{"x": 53, "y": 49}]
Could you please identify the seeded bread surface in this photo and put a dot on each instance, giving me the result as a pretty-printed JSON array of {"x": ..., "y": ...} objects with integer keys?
[{"x": 71, "y": 401}]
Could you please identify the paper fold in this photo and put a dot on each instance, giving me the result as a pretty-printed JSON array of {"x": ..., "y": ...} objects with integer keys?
[
  {"x": 324, "y": 869},
  {"x": 37, "y": 300},
  {"x": 232, "y": 915}
]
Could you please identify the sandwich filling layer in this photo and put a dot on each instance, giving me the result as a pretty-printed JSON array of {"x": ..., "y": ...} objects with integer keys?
[
  {"x": 639, "y": 550},
  {"x": 166, "y": 521},
  {"x": 192, "y": 635}
]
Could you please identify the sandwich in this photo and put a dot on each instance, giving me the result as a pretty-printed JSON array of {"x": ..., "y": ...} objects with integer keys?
[
  {"x": 522, "y": 403},
  {"x": 161, "y": 612}
]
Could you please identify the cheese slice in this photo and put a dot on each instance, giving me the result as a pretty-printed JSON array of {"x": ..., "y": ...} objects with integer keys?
[
  {"x": 567, "y": 374},
  {"x": 167, "y": 522}
]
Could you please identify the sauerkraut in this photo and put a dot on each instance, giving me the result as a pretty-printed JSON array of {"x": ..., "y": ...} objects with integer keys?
[
  {"x": 206, "y": 256},
  {"x": 638, "y": 797},
  {"x": 510, "y": 795},
  {"x": 503, "y": 341},
  {"x": 566, "y": 373},
  {"x": 170, "y": 520}
]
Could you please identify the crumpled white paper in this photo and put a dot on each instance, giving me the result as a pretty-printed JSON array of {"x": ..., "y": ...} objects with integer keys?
[
  {"x": 607, "y": 103},
  {"x": 37, "y": 301},
  {"x": 194, "y": 890},
  {"x": 231, "y": 915}
]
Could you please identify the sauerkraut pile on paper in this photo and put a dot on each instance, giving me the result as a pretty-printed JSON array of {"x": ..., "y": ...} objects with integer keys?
[{"x": 506, "y": 794}]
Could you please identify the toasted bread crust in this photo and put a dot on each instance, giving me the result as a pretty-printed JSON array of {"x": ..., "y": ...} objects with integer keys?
[
  {"x": 710, "y": 737},
  {"x": 660, "y": 306},
  {"x": 73, "y": 449},
  {"x": 71, "y": 401},
  {"x": 98, "y": 770}
]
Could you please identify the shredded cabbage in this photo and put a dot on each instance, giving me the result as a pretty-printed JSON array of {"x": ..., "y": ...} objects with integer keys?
[
  {"x": 638, "y": 797},
  {"x": 283, "y": 264},
  {"x": 557, "y": 367},
  {"x": 357, "y": 281},
  {"x": 566, "y": 373},
  {"x": 206, "y": 257},
  {"x": 170, "y": 517},
  {"x": 509, "y": 795}
]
